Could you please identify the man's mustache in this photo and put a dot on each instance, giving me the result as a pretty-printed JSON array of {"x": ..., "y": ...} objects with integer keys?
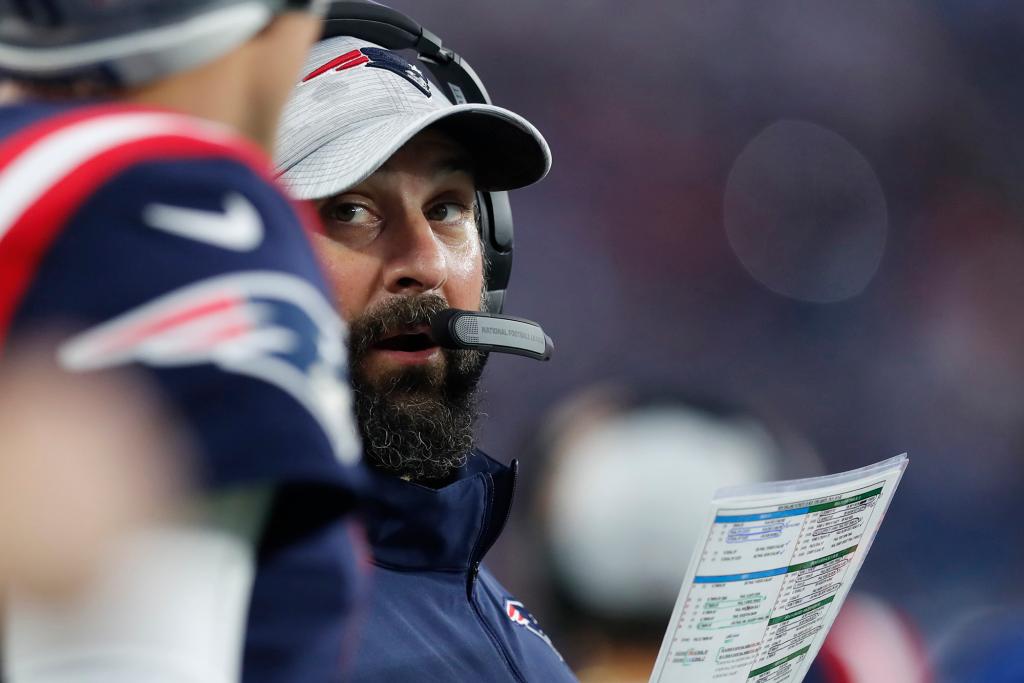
[{"x": 390, "y": 317}]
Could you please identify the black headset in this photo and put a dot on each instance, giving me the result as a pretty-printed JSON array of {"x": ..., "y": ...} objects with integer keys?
[{"x": 393, "y": 30}]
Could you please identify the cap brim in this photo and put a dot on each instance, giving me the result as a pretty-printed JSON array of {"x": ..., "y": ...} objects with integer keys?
[{"x": 508, "y": 152}]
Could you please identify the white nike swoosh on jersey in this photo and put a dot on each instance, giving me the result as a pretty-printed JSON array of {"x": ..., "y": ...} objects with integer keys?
[{"x": 239, "y": 227}]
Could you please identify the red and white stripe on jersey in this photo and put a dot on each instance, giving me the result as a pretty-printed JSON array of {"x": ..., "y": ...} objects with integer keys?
[
  {"x": 870, "y": 642},
  {"x": 48, "y": 170}
]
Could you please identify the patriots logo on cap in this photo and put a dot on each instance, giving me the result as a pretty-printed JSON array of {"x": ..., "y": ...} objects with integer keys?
[
  {"x": 374, "y": 58},
  {"x": 515, "y": 611},
  {"x": 270, "y": 326}
]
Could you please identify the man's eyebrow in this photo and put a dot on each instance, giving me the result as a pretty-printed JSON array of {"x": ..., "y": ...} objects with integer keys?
[{"x": 456, "y": 164}]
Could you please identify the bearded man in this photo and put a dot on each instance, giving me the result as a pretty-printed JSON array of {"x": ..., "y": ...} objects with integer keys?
[{"x": 394, "y": 169}]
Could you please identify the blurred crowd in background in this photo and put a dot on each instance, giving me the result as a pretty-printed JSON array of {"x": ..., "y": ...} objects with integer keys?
[{"x": 810, "y": 209}]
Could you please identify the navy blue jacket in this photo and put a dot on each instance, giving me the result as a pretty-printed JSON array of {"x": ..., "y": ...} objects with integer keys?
[{"x": 436, "y": 614}]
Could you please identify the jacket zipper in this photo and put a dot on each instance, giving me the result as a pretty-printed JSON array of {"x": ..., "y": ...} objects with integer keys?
[{"x": 474, "y": 572}]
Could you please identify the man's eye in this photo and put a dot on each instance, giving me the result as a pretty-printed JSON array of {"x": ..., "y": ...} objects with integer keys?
[
  {"x": 447, "y": 212},
  {"x": 350, "y": 213}
]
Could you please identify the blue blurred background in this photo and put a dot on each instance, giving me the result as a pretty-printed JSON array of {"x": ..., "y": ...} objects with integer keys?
[{"x": 814, "y": 207}]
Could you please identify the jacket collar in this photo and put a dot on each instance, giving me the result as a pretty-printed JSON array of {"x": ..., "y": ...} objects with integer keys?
[{"x": 411, "y": 526}]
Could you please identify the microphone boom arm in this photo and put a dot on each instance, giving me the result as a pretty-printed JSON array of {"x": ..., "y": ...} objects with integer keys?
[{"x": 456, "y": 329}]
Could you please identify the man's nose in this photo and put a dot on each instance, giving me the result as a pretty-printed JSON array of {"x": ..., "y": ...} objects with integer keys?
[{"x": 418, "y": 262}]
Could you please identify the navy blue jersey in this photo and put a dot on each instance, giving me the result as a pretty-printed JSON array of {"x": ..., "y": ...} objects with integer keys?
[{"x": 162, "y": 242}]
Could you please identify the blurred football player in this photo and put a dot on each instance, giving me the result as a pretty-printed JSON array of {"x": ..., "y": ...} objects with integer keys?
[{"x": 140, "y": 216}]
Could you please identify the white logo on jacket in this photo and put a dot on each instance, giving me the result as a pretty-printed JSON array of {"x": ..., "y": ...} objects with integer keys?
[
  {"x": 238, "y": 227},
  {"x": 515, "y": 611},
  {"x": 267, "y": 325}
]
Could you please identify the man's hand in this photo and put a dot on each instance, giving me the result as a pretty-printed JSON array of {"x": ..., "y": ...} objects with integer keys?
[{"x": 84, "y": 461}]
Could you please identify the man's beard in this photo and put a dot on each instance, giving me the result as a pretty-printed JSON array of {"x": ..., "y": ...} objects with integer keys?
[{"x": 416, "y": 422}]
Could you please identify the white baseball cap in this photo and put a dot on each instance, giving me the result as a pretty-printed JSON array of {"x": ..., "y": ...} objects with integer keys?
[{"x": 358, "y": 103}]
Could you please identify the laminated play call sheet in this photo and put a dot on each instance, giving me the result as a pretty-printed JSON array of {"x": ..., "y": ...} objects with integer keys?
[{"x": 766, "y": 582}]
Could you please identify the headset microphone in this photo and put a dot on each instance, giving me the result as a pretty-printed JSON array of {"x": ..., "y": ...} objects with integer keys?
[{"x": 456, "y": 329}]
